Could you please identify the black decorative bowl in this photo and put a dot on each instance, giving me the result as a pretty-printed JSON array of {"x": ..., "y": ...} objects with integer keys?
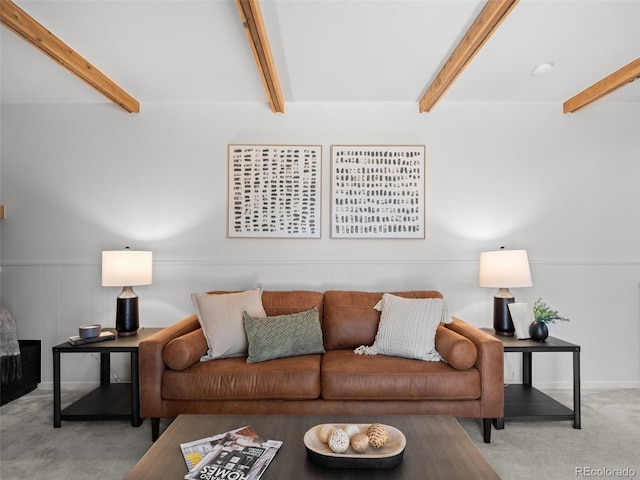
[{"x": 386, "y": 457}]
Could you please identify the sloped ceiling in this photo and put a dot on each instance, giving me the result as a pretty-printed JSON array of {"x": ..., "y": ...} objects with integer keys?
[{"x": 169, "y": 51}]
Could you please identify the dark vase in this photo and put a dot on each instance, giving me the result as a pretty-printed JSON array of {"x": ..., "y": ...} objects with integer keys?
[{"x": 538, "y": 331}]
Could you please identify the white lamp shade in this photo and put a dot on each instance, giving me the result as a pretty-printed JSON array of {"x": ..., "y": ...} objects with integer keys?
[
  {"x": 126, "y": 268},
  {"x": 504, "y": 269}
]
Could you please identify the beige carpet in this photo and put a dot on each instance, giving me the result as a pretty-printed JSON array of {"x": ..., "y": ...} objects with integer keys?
[
  {"x": 607, "y": 444},
  {"x": 608, "y": 440}
]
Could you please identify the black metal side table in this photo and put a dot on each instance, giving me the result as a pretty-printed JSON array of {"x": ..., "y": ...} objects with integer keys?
[
  {"x": 524, "y": 401},
  {"x": 110, "y": 401}
]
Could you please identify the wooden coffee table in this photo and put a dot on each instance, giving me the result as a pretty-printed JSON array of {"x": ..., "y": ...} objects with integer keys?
[{"x": 437, "y": 447}]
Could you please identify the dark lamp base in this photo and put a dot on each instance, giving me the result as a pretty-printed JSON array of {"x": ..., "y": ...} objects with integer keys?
[
  {"x": 127, "y": 316},
  {"x": 502, "y": 322}
]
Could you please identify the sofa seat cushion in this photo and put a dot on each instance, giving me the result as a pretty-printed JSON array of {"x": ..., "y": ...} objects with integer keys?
[
  {"x": 347, "y": 376},
  {"x": 291, "y": 378}
]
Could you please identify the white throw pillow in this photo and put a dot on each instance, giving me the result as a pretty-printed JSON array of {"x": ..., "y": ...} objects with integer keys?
[
  {"x": 407, "y": 328},
  {"x": 222, "y": 321}
]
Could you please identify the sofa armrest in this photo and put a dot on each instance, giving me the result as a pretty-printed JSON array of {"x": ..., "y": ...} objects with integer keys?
[
  {"x": 151, "y": 366},
  {"x": 490, "y": 363}
]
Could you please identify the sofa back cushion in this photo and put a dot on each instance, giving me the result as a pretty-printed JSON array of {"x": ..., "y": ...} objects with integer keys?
[
  {"x": 285, "y": 302},
  {"x": 350, "y": 319}
]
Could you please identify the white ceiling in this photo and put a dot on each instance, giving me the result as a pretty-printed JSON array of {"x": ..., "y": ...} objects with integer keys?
[{"x": 165, "y": 51}]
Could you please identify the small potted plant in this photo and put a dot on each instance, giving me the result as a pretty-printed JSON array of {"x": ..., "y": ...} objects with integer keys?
[{"x": 543, "y": 314}]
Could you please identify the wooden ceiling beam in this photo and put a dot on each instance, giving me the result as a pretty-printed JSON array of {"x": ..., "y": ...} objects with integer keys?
[
  {"x": 607, "y": 85},
  {"x": 257, "y": 34},
  {"x": 485, "y": 24},
  {"x": 25, "y": 26}
]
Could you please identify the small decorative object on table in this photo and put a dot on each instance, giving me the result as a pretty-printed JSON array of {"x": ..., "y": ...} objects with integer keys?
[
  {"x": 543, "y": 315},
  {"x": 351, "y": 446},
  {"x": 89, "y": 331},
  {"x": 76, "y": 340}
]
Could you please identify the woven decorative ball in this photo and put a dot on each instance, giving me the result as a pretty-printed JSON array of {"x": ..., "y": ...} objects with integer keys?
[
  {"x": 378, "y": 435},
  {"x": 359, "y": 442},
  {"x": 339, "y": 441}
]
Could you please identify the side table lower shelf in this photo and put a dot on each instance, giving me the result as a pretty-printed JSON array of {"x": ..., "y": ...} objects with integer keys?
[
  {"x": 525, "y": 402},
  {"x": 107, "y": 402}
]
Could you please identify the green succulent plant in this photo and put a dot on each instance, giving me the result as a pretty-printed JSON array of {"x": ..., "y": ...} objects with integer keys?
[{"x": 543, "y": 313}]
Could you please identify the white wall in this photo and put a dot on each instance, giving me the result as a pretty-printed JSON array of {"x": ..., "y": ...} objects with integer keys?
[{"x": 79, "y": 179}]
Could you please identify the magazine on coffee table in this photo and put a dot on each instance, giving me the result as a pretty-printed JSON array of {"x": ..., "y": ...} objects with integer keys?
[
  {"x": 236, "y": 456},
  {"x": 194, "y": 452}
]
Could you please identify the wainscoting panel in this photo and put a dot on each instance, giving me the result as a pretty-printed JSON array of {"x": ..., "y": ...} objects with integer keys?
[{"x": 602, "y": 299}]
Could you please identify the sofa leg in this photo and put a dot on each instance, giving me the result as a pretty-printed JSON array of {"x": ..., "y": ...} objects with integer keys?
[
  {"x": 155, "y": 428},
  {"x": 486, "y": 423}
]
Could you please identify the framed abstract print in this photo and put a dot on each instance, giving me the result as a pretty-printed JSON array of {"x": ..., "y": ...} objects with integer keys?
[
  {"x": 377, "y": 191},
  {"x": 274, "y": 190}
]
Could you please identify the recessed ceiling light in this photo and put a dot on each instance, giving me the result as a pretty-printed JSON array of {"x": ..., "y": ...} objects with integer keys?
[{"x": 542, "y": 69}]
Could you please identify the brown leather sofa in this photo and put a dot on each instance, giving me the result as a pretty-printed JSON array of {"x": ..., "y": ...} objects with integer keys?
[{"x": 469, "y": 384}]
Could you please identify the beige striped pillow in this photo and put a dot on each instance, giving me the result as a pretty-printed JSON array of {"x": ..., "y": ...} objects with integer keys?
[{"x": 407, "y": 328}]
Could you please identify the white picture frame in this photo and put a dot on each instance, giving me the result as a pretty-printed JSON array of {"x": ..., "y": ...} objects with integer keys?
[
  {"x": 378, "y": 191},
  {"x": 274, "y": 191},
  {"x": 522, "y": 316}
]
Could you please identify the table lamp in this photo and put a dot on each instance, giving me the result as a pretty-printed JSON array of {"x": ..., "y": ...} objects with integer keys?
[
  {"x": 126, "y": 268},
  {"x": 503, "y": 269}
]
